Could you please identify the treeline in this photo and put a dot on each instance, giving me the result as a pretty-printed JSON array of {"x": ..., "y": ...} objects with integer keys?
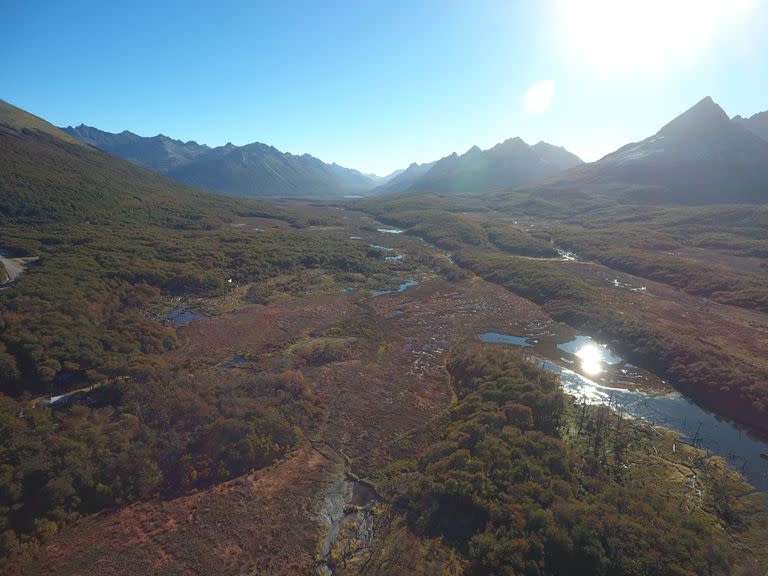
[
  {"x": 46, "y": 179},
  {"x": 510, "y": 496},
  {"x": 626, "y": 255},
  {"x": 111, "y": 237},
  {"x": 419, "y": 214},
  {"x": 563, "y": 295}
]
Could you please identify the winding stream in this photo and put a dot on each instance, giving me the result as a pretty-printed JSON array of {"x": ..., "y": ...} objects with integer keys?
[{"x": 703, "y": 429}]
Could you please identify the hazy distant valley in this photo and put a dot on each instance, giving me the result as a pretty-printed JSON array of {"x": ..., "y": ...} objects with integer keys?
[
  {"x": 261, "y": 170},
  {"x": 505, "y": 361}
]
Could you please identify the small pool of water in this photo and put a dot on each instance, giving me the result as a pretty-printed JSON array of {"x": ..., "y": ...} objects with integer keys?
[
  {"x": 404, "y": 286},
  {"x": 182, "y": 315},
  {"x": 238, "y": 360},
  {"x": 498, "y": 338}
]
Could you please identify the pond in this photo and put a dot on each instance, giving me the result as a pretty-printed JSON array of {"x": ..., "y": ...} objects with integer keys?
[
  {"x": 182, "y": 315},
  {"x": 497, "y": 338}
]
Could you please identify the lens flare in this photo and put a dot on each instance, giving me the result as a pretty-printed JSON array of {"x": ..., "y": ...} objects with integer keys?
[{"x": 539, "y": 96}]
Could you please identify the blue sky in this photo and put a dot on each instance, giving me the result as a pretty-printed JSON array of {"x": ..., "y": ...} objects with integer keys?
[{"x": 375, "y": 84}]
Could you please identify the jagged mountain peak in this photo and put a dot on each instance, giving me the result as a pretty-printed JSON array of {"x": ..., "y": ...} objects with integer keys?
[
  {"x": 700, "y": 157},
  {"x": 703, "y": 117},
  {"x": 541, "y": 145},
  {"x": 511, "y": 143},
  {"x": 255, "y": 169},
  {"x": 508, "y": 163},
  {"x": 757, "y": 124}
]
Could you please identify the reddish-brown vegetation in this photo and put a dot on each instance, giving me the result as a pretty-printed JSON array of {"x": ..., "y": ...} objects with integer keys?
[{"x": 259, "y": 523}]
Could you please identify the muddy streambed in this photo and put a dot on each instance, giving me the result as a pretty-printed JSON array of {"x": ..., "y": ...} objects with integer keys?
[
  {"x": 346, "y": 516},
  {"x": 610, "y": 383}
]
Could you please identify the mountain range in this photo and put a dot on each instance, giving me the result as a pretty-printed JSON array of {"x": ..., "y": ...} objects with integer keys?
[
  {"x": 508, "y": 164},
  {"x": 252, "y": 170},
  {"x": 262, "y": 170},
  {"x": 700, "y": 157}
]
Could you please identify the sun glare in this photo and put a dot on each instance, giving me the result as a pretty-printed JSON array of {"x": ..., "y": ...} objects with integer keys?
[
  {"x": 590, "y": 359},
  {"x": 613, "y": 35},
  {"x": 539, "y": 96}
]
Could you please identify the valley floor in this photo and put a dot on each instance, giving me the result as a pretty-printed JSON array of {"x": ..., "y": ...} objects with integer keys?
[{"x": 376, "y": 365}]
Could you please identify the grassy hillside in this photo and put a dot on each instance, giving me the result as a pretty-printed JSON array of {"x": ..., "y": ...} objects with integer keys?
[
  {"x": 16, "y": 119},
  {"x": 48, "y": 176}
]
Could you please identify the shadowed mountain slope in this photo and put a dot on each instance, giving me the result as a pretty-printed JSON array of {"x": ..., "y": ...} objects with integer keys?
[
  {"x": 700, "y": 157},
  {"x": 252, "y": 170},
  {"x": 757, "y": 124},
  {"x": 508, "y": 164}
]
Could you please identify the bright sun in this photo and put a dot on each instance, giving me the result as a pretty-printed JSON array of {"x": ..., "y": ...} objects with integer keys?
[{"x": 614, "y": 35}]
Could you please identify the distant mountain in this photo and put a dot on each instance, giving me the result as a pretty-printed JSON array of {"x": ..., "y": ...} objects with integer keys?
[
  {"x": 382, "y": 180},
  {"x": 757, "y": 124},
  {"x": 403, "y": 179},
  {"x": 251, "y": 170},
  {"x": 508, "y": 164},
  {"x": 262, "y": 170},
  {"x": 158, "y": 153},
  {"x": 700, "y": 157}
]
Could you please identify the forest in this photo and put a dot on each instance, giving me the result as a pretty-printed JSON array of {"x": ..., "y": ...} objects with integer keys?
[{"x": 519, "y": 481}]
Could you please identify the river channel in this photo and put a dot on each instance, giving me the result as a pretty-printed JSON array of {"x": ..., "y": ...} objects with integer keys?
[{"x": 606, "y": 379}]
